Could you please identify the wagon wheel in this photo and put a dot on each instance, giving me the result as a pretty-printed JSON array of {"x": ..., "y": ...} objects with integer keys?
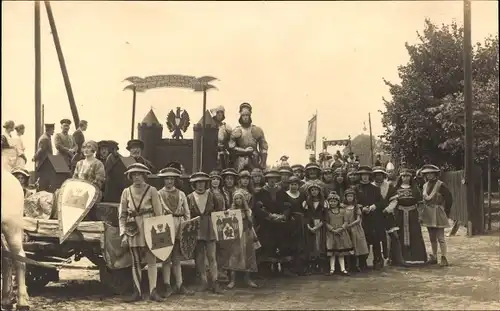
[
  {"x": 119, "y": 281},
  {"x": 37, "y": 277}
]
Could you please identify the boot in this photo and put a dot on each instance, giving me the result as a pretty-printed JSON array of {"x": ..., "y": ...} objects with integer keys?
[
  {"x": 216, "y": 288},
  {"x": 232, "y": 280},
  {"x": 444, "y": 261},
  {"x": 249, "y": 281},
  {"x": 432, "y": 260},
  {"x": 154, "y": 296},
  {"x": 136, "y": 296},
  {"x": 182, "y": 290},
  {"x": 168, "y": 291}
]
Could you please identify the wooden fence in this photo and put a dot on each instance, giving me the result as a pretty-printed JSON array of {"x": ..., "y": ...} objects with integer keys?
[{"x": 459, "y": 210}]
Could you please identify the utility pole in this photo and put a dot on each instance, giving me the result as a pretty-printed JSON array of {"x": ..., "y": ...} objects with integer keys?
[
  {"x": 134, "y": 98},
  {"x": 203, "y": 129},
  {"x": 469, "y": 133},
  {"x": 38, "y": 77},
  {"x": 371, "y": 136}
]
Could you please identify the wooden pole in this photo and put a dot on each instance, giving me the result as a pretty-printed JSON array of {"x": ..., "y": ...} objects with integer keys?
[
  {"x": 469, "y": 133},
  {"x": 62, "y": 64},
  {"x": 43, "y": 118},
  {"x": 38, "y": 77},
  {"x": 490, "y": 155},
  {"x": 350, "y": 145},
  {"x": 204, "y": 125},
  {"x": 134, "y": 96},
  {"x": 371, "y": 136}
]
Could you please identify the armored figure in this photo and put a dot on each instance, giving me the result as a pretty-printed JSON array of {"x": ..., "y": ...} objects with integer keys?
[
  {"x": 247, "y": 142},
  {"x": 223, "y": 156}
]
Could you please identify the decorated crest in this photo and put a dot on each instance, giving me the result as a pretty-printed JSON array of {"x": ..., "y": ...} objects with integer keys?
[
  {"x": 228, "y": 225},
  {"x": 159, "y": 233},
  {"x": 74, "y": 200},
  {"x": 188, "y": 237},
  {"x": 178, "y": 122}
]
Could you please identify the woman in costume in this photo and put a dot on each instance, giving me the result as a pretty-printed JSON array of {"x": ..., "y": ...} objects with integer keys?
[
  {"x": 174, "y": 203},
  {"x": 407, "y": 214},
  {"x": 355, "y": 229},
  {"x": 437, "y": 207},
  {"x": 216, "y": 188},
  {"x": 341, "y": 183},
  {"x": 242, "y": 255},
  {"x": 244, "y": 183},
  {"x": 90, "y": 168},
  {"x": 139, "y": 201},
  {"x": 352, "y": 177},
  {"x": 229, "y": 185}
]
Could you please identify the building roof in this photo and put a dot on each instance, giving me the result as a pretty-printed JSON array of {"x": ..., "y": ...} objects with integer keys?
[
  {"x": 150, "y": 119},
  {"x": 58, "y": 164}
]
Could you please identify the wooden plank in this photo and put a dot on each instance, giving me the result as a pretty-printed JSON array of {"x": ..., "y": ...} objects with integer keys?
[
  {"x": 90, "y": 231},
  {"x": 454, "y": 229}
]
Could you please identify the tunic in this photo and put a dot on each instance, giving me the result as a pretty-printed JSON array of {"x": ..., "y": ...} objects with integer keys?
[
  {"x": 206, "y": 232},
  {"x": 91, "y": 170},
  {"x": 407, "y": 217},
  {"x": 437, "y": 204},
  {"x": 373, "y": 222},
  {"x": 149, "y": 206},
  {"x": 219, "y": 197},
  {"x": 298, "y": 237},
  {"x": 337, "y": 244},
  {"x": 355, "y": 230},
  {"x": 65, "y": 146}
]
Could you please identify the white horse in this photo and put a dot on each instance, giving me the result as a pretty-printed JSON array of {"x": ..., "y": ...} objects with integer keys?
[{"x": 12, "y": 229}]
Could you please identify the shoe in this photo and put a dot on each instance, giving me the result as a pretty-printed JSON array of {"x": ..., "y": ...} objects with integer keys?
[
  {"x": 182, "y": 290},
  {"x": 203, "y": 287},
  {"x": 168, "y": 291},
  {"x": 330, "y": 273},
  {"x": 231, "y": 285},
  {"x": 134, "y": 298},
  {"x": 251, "y": 284},
  {"x": 344, "y": 273},
  {"x": 432, "y": 260},
  {"x": 154, "y": 296},
  {"x": 216, "y": 289},
  {"x": 444, "y": 261}
]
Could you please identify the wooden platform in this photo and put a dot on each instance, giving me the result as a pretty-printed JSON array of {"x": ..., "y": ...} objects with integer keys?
[{"x": 88, "y": 231}]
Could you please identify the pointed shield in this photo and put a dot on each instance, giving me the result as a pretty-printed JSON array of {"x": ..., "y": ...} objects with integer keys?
[
  {"x": 228, "y": 225},
  {"x": 75, "y": 198},
  {"x": 188, "y": 236},
  {"x": 159, "y": 233}
]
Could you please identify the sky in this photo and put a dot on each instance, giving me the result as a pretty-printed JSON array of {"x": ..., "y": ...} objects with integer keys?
[{"x": 288, "y": 59}]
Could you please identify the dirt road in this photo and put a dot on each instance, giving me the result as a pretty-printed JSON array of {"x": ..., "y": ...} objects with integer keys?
[{"x": 471, "y": 282}]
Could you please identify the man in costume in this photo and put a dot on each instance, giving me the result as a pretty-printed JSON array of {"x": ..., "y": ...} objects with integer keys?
[
  {"x": 44, "y": 145},
  {"x": 370, "y": 198},
  {"x": 219, "y": 115},
  {"x": 247, "y": 142},
  {"x": 135, "y": 147},
  {"x": 64, "y": 142},
  {"x": 387, "y": 188},
  {"x": 17, "y": 141},
  {"x": 229, "y": 178}
]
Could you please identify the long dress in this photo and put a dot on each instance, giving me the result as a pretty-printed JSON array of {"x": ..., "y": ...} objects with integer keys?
[
  {"x": 315, "y": 214},
  {"x": 356, "y": 231},
  {"x": 298, "y": 237},
  {"x": 337, "y": 244},
  {"x": 407, "y": 218}
]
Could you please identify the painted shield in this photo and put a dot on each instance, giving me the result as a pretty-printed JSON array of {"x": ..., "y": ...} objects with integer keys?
[
  {"x": 159, "y": 232},
  {"x": 228, "y": 225},
  {"x": 75, "y": 198},
  {"x": 188, "y": 236}
]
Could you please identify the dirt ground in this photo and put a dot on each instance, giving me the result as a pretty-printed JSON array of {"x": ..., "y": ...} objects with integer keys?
[{"x": 472, "y": 281}]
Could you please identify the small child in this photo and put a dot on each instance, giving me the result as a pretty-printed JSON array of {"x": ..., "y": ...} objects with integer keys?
[
  {"x": 356, "y": 232},
  {"x": 338, "y": 241},
  {"x": 314, "y": 210}
]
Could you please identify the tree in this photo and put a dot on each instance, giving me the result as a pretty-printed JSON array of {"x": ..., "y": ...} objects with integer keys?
[
  {"x": 421, "y": 119},
  {"x": 361, "y": 147}
]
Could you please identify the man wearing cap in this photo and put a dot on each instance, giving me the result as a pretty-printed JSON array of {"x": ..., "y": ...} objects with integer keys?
[
  {"x": 247, "y": 142},
  {"x": 9, "y": 153},
  {"x": 229, "y": 177},
  {"x": 223, "y": 135},
  {"x": 437, "y": 207},
  {"x": 64, "y": 142},
  {"x": 298, "y": 170},
  {"x": 370, "y": 198},
  {"x": 136, "y": 147},
  {"x": 44, "y": 145}
]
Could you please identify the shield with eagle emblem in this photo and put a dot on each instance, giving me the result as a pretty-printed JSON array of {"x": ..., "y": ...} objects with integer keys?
[
  {"x": 178, "y": 122},
  {"x": 159, "y": 233}
]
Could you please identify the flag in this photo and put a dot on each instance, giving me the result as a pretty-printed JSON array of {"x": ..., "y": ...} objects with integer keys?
[{"x": 311, "y": 133}]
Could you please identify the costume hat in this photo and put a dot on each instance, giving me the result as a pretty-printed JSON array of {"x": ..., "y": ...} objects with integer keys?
[
  {"x": 215, "y": 174},
  {"x": 312, "y": 166},
  {"x": 272, "y": 173},
  {"x": 169, "y": 172},
  {"x": 364, "y": 169},
  {"x": 65, "y": 121},
  {"x": 137, "y": 168},
  {"x": 349, "y": 191},
  {"x": 429, "y": 168},
  {"x": 229, "y": 172},
  {"x": 21, "y": 171},
  {"x": 199, "y": 176},
  {"x": 379, "y": 169},
  {"x": 333, "y": 195},
  {"x": 406, "y": 172}
]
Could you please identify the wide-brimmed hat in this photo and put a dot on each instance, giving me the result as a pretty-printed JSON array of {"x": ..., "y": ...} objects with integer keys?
[
  {"x": 364, "y": 169},
  {"x": 229, "y": 172},
  {"x": 169, "y": 172},
  {"x": 21, "y": 171},
  {"x": 199, "y": 176},
  {"x": 65, "y": 121},
  {"x": 313, "y": 184},
  {"x": 244, "y": 174},
  {"x": 294, "y": 180},
  {"x": 285, "y": 170},
  {"x": 19, "y": 127},
  {"x": 9, "y": 124},
  {"x": 137, "y": 168},
  {"x": 327, "y": 170},
  {"x": 406, "y": 172},
  {"x": 333, "y": 195},
  {"x": 312, "y": 166},
  {"x": 379, "y": 169},
  {"x": 135, "y": 143},
  {"x": 272, "y": 173},
  {"x": 297, "y": 167},
  {"x": 429, "y": 168},
  {"x": 215, "y": 174}
]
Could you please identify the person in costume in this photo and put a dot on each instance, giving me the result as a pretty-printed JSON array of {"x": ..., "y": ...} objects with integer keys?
[
  {"x": 103, "y": 150},
  {"x": 312, "y": 174},
  {"x": 216, "y": 189},
  {"x": 174, "y": 203},
  {"x": 23, "y": 176},
  {"x": 90, "y": 169},
  {"x": 201, "y": 204},
  {"x": 340, "y": 183},
  {"x": 437, "y": 207},
  {"x": 245, "y": 185},
  {"x": 314, "y": 211},
  {"x": 111, "y": 188},
  {"x": 247, "y": 142},
  {"x": 257, "y": 179},
  {"x": 388, "y": 191},
  {"x": 44, "y": 145},
  {"x": 139, "y": 201},
  {"x": 327, "y": 176},
  {"x": 136, "y": 147},
  {"x": 9, "y": 152},
  {"x": 286, "y": 172},
  {"x": 338, "y": 240},
  {"x": 407, "y": 212},
  {"x": 353, "y": 218},
  {"x": 79, "y": 139},
  {"x": 17, "y": 142},
  {"x": 370, "y": 198},
  {"x": 229, "y": 178},
  {"x": 223, "y": 156},
  {"x": 298, "y": 170},
  {"x": 64, "y": 143},
  {"x": 242, "y": 256}
]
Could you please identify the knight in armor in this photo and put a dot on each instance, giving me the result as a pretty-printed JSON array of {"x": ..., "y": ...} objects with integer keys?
[
  {"x": 223, "y": 156},
  {"x": 229, "y": 179},
  {"x": 201, "y": 204},
  {"x": 139, "y": 201},
  {"x": 247, "y": 142},
  {"x": 437, "y": 207},
  {"x": 174, "y": 203},
  {"x": 64, "y": 143},
  {"x": 90, "y": 168},
  {"x": 136, "y": 147},
  {"x": 44, "y": 146},
  {"x": 9, "y": 153}
]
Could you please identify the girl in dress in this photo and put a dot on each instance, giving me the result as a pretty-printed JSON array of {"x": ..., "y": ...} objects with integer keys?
[
  {"x": 356, "y": 232},
  {"x": 242, "y": 255},
  {"x": 139, "y": 201},
  {"x": 338, "y": 241},
  {"x": 90, "y": 168},
  {"x": 314, "y": 207}
]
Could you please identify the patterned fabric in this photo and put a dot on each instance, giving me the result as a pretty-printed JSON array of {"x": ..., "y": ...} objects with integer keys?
[
  {"x": 337, "y": 244},
  {"x": 91, "y": 170},
  {"x": 433, "y": 214}
]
